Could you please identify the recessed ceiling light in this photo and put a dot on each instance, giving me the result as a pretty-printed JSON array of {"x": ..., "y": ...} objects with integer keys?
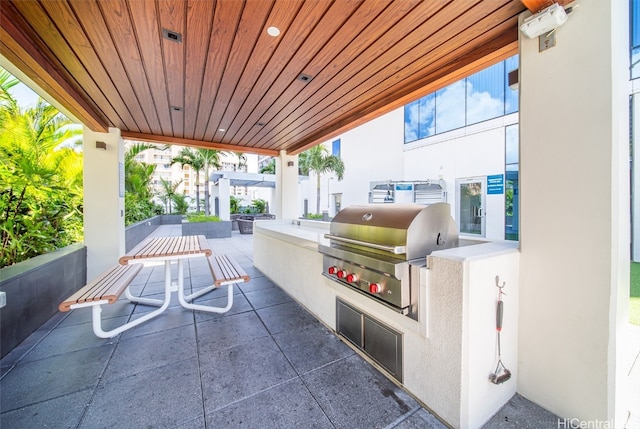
[
  {"x": 222, "y": 129},
  {"x": 304, "y": 78},
  {"x": 172, "y": 35},
  {"x": 273, "y": 31},
  {"x": 260, "y": 124},
  {"x": 176, "y": 108}
]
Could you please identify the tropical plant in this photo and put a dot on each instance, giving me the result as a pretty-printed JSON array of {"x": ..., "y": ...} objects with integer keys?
[
  {"x": 318, "y": 160},
  {"x": 138, "y": 204},
  {"x": 259, "y": 206},
  {"x": 40, "y": 179},
  {"x": 211, "y": 158},
  {"x": 168, "y": 191},
  {"x": 242, "y": 162},
  {"x": 270, "y": 168},
  {"x": 180, "y": 203},
  {"x": 200, "y": 160},
  {"x": 188, "y": 156},
  {"x": 234, "y": 204},
  {"x": 196, "y": 218}
]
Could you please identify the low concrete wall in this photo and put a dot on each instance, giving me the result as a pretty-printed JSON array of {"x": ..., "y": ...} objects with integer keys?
[
  {"x": 34, "y": 289},
  {"x": 134, "y": 234},
  {"x": 171, "y": 219},
  {"x": 220, "y": 229}
]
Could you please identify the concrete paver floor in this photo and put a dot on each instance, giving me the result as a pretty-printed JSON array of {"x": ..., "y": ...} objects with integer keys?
[{"x": 267, "y": 363}]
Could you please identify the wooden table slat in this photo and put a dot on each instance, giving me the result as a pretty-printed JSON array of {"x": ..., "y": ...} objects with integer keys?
[{"x": 168, "y": 246}]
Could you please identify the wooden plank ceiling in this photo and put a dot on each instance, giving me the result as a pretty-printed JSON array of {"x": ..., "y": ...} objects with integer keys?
[{"x": 227, "y": 83}]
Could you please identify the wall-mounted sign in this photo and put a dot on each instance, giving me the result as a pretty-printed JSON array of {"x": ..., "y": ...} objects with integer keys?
[
  {"x": 404, "y": 186},
  {"x": 121, "y": 179},
  {"x": 495, "y": 184}
]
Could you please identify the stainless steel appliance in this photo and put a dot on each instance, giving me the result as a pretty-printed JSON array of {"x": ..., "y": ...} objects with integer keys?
[{"x": 378, "y": 250}]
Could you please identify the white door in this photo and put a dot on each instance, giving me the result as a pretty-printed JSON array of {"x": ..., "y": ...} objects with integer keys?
[{"x": 471, "y": 195}]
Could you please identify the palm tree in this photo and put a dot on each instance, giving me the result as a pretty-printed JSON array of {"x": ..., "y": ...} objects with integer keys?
[
  {"x": 190, "y": 157},
  {"x": 168, "y": 191},
  {"x": 211, "y": 158},
  {"x": 270, "y": 168},
  {"x": 200, "y": 160},
  {"x": 242, "y": 162},
  {"x": 318, "y": 160},
  {"x": 137, "y": 184}
]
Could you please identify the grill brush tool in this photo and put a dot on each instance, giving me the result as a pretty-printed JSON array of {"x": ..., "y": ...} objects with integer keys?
[{"x": 501, "y": 373}]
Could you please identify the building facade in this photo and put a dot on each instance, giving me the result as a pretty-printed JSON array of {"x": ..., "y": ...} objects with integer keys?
[{"x": 463, "y": 137}]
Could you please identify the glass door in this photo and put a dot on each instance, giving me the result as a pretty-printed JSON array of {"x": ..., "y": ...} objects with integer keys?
[{"x": 471, "y": 194}]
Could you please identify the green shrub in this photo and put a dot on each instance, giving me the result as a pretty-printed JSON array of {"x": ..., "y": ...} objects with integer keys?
[
  {"x": 234, "y": 203},
  {"x": 194, "y": 218},
  {"x": 259, "y": 206}
]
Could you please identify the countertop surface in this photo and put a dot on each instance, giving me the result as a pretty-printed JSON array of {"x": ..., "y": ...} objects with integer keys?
[
  {"x": 311, "y": 233},
  {"x": 304, "y": 233}
]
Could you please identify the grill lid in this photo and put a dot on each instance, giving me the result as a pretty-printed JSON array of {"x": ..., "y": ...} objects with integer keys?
[{"x": 409, "y": 231}]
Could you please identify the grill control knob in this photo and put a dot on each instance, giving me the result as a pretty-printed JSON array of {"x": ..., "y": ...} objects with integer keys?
[
  {"x": 332, "y": 270},
  {"x": 341, "y": 274},
  {"x": 375, "y": 288},
  {"x": 351, "y": 278}
]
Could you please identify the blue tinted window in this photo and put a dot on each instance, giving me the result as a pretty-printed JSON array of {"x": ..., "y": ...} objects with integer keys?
[
  {"x": 335, "y": 148},
  {"x": 512, "y": 185},
  {"x": 635, "y": 39},
  {"x": 427, "y": 126},
  {"x": 635, "y": 20},
  {"x": 411, "y": 121},
  {"x": 450, "y": 107},
  {"x": 512, "y": 152},
  {"x": 485, "y": 94},
  {"x": 511, "y": 96}
]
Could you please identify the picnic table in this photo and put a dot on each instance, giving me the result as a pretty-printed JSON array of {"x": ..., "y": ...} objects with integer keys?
[{"x": 107, "y": 287}]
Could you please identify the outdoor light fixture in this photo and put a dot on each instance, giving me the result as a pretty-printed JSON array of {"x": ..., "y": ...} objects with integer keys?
[
  {"x": 544, "y": 21},
  {"x": 101, "y": 145},
  {"x": 289, "y": 163},
  {"x": 273, "y": 31}
]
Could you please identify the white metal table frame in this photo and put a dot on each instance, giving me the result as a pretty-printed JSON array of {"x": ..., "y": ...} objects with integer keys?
[{"x": 169, "y": 287}]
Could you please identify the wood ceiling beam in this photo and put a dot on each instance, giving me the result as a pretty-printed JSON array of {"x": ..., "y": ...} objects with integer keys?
[
  {"x": 537, "y": 5},
  {"x": 152, "y": 138},
  {"x": 24, "y": 54},
  {"x": 455, "y": 73}
]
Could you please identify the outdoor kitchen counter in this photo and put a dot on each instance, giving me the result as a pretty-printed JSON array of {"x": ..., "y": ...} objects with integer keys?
[
  {"x": 450, "y": 351},
  {"x": 303, "y": 233}
]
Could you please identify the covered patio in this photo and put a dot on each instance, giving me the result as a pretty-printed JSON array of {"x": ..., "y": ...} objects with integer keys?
[
  {"x": 265, "y": 363},
  {"x": 209, "y": 74}
]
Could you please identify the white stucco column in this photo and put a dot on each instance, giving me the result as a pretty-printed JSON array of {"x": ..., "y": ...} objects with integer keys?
[
  {"x": 224, "y": 198},
  {"x": 103, "y": 200},
  {"x": 286, "y": 192},
  {"x": 574, "y": 269},
  {"x": 635, "y": 176}
]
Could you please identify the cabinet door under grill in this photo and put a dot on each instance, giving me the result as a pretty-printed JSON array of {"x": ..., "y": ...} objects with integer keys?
[{"x": 372, "y": 337}]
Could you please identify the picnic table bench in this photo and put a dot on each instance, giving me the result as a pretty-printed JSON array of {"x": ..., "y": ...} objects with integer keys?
[
  {"x": 225, "y": 271},
  {"x": 108, "y": 286}
]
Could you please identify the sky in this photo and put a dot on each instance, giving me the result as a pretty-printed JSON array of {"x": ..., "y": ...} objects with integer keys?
[{"x": 24, "y": 95}]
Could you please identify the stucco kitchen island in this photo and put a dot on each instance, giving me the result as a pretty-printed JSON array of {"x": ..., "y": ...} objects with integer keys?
[{"x": 449, "y": 352}]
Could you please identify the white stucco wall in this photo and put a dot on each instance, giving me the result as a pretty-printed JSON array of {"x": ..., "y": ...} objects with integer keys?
[
  {"x": 376, "y": 151},
  {"x": 574, "y": 241},
  {"x": 103, "y": 200},
  {"x": 450, "y": 351},
  {"x": 475, "y": 151},
  {"x": 373, "y": 151}
]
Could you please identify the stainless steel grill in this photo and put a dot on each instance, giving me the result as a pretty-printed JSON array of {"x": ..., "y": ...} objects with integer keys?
[{"x": 378, "y": 250}]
